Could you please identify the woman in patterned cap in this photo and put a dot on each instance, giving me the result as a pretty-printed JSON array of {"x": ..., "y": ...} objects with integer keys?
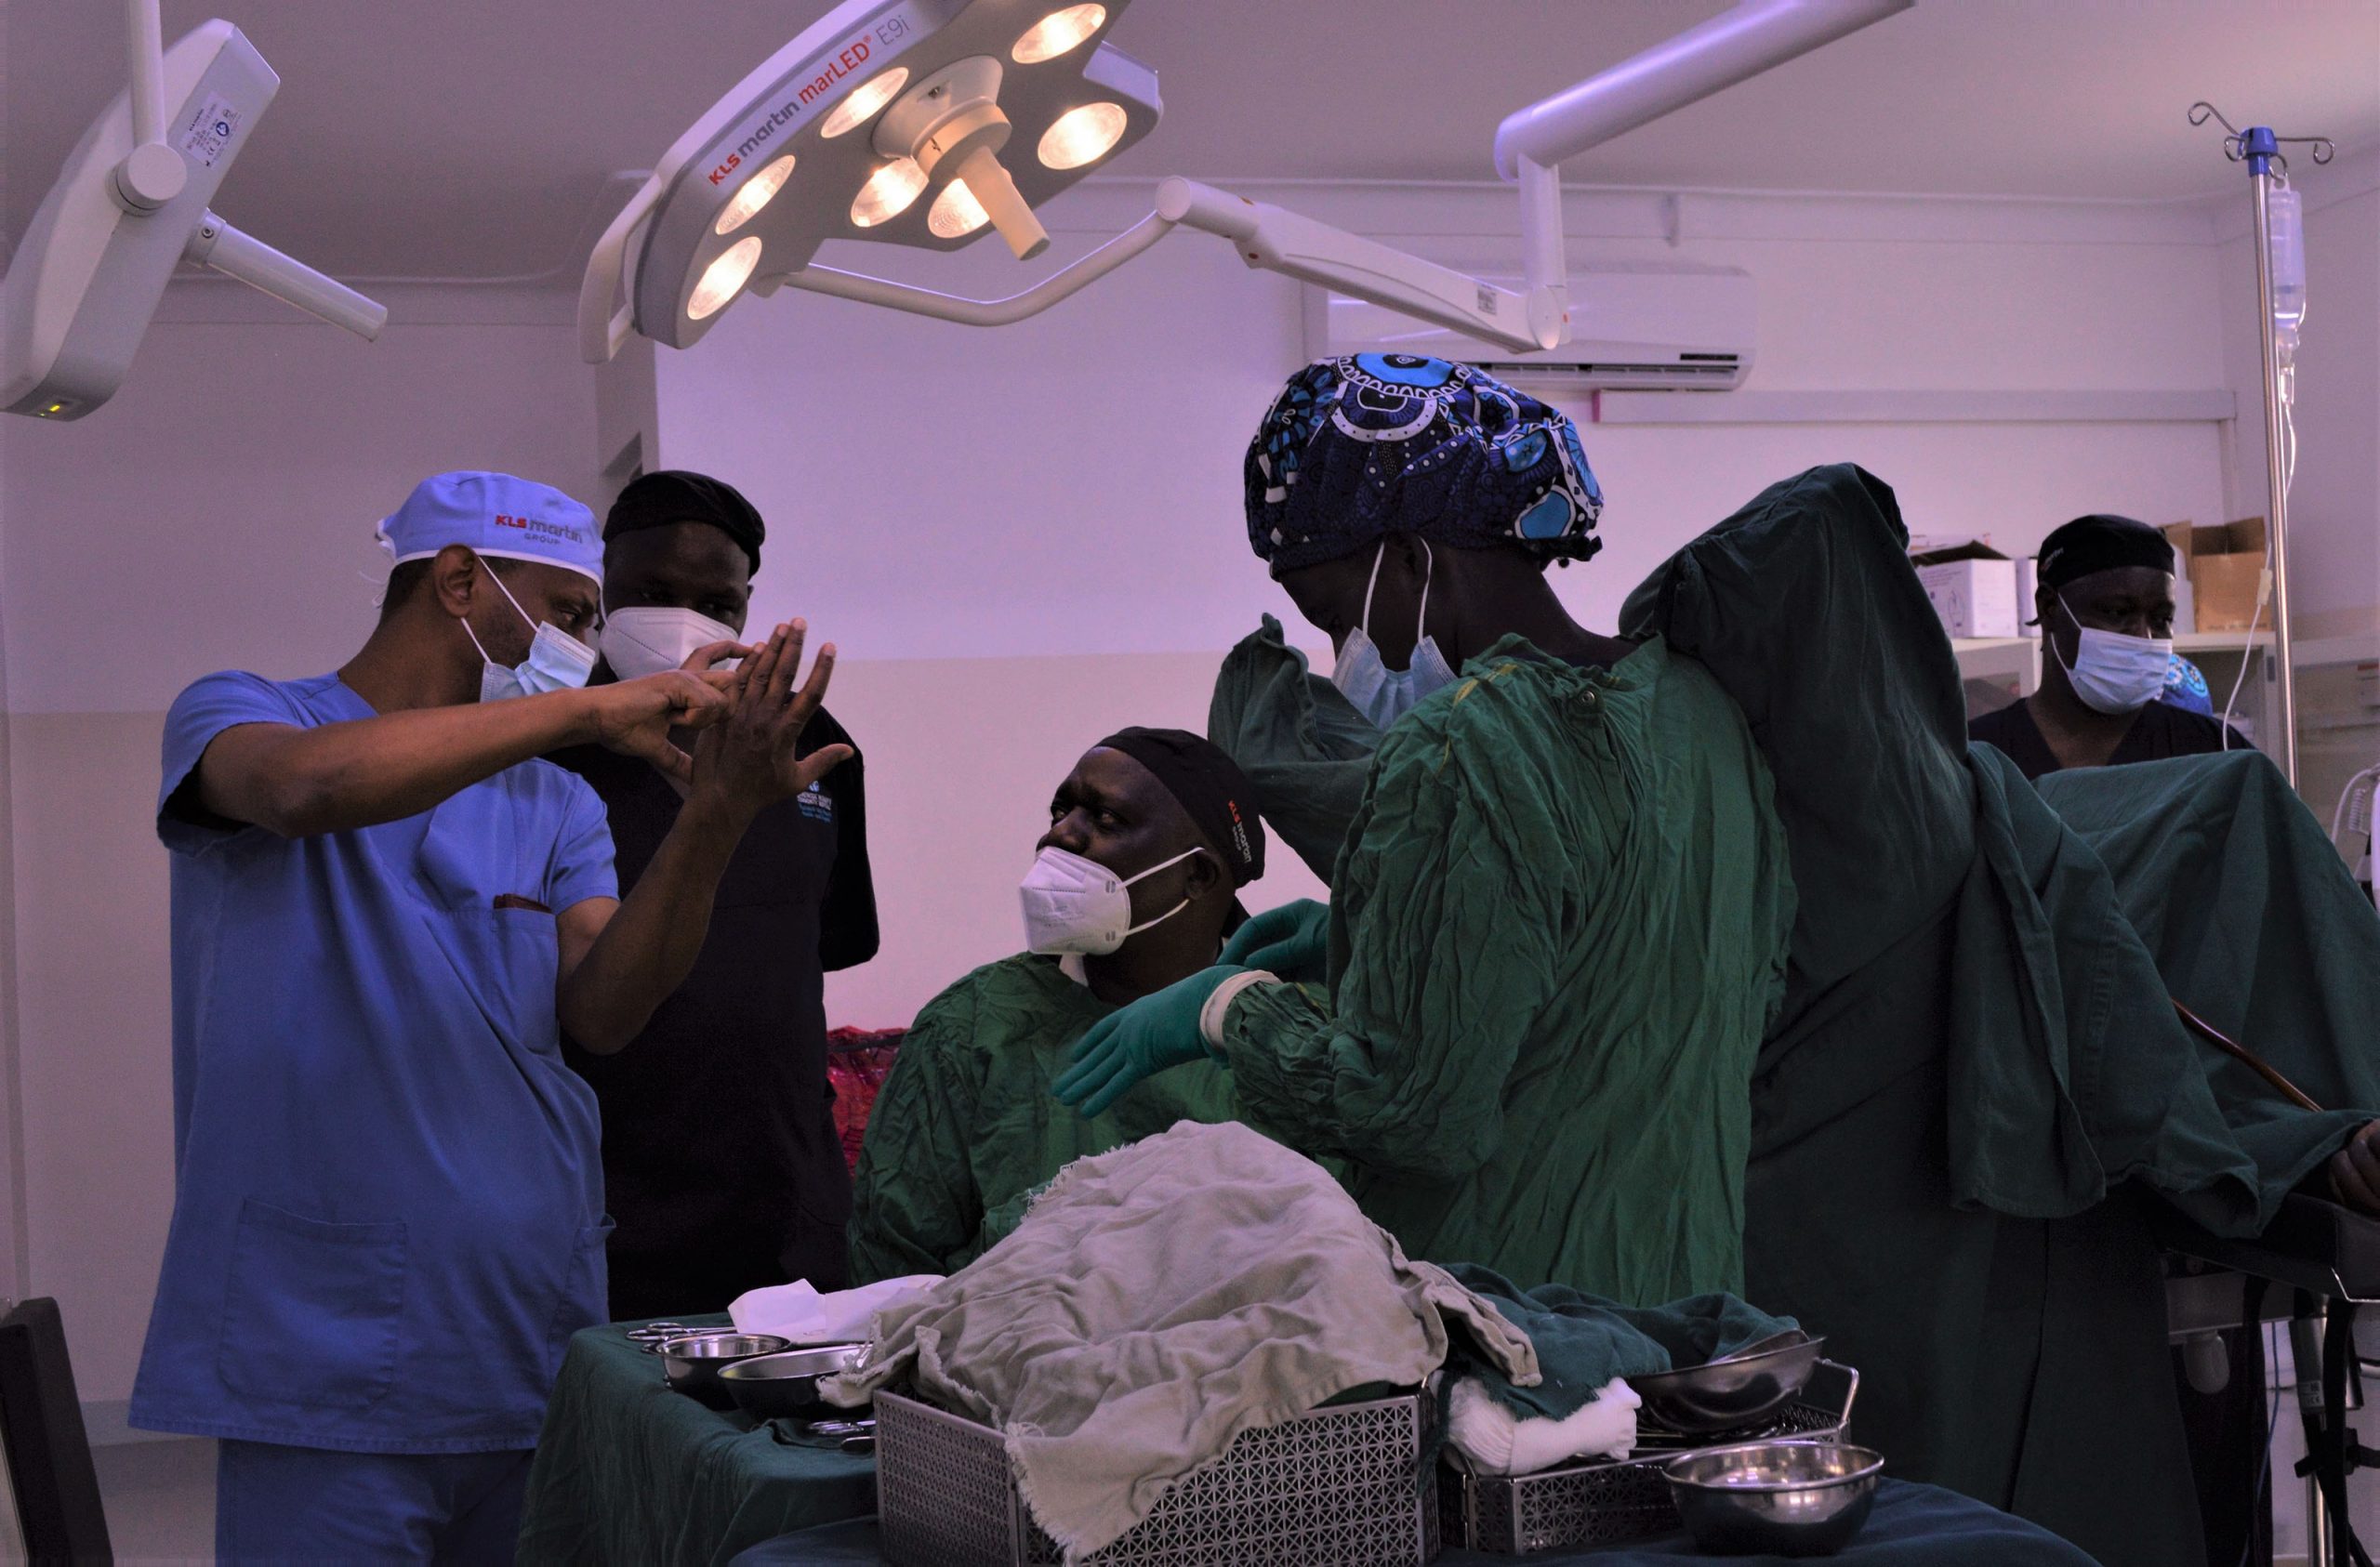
[{"x": 1561, "y": 904}]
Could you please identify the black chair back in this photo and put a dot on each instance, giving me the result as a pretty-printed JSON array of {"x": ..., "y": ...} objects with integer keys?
[{"x": 49, "y": 1451}]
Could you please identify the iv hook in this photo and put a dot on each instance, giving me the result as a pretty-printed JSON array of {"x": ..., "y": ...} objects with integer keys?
[{"x": 2234, "y": 145}]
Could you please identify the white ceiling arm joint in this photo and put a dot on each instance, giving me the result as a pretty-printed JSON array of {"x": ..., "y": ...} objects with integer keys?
[
  {"x": 151, "y": 173},
  {"x": 234, "y": 254},
  {"x": 1280, "y": 241},
  {"x": 1545, "y": 267}
]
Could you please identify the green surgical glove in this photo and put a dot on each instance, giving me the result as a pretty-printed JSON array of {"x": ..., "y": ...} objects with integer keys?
[
  {"x": 1140, "y": 1040},
  {"x": 1292, "y": 940}
]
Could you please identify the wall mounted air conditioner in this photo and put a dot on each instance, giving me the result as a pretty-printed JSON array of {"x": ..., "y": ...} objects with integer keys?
[{"x": 1652, "y": 326}]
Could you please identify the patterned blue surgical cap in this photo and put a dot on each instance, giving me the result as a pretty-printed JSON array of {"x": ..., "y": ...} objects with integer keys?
[{"x": 1359, "y": 447}]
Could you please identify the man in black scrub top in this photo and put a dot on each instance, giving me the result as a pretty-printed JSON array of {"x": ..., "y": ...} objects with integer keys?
[
  {"x": 2105, "y": 609},
  {"x": 721, "y": 1164}
]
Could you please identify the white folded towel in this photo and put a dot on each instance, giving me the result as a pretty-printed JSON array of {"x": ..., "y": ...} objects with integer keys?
[
  {"x": 1499, "y": 1441},
  {"x": 798, "y": 1312}
]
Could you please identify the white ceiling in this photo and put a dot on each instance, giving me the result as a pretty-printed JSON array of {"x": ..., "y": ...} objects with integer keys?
[{"x": 432, "y": 138}]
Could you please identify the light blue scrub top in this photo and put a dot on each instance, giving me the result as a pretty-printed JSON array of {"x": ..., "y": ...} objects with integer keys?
[{"x": 389, "y": 1208}]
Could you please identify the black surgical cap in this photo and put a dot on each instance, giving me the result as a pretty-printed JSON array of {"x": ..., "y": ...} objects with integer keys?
[
  {"x": 658, "y": 499},
  {"x": 2101, "y": 543},
  {"x": 1211, "y": 787}
]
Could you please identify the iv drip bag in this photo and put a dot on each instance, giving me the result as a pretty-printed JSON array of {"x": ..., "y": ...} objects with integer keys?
[{"x": 2288, "y": 220}]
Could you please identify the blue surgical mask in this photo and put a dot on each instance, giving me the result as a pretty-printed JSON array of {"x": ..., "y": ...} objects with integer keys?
[
  {"x": 2115, "y": 674},
  {"x": 557, "y": 660},
  {"x": 1379, "y": 693}
]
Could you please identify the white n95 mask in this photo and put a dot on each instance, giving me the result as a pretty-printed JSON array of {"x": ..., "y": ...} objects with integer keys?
[
  {"x": 2115, "y": 674},
  {"x": 1077, "y": 905},
  {"x": 653, "y": 639},
  {"x": 557, "y": 660},
  {"x": 1379, "y": 693}
]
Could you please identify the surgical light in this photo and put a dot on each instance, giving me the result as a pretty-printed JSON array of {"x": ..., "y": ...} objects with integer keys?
[
  {"x": 888, "y": 193},
  {"x": 956, "y": 212},
  {"x": 1081, "y": 136},
  {"x": 967, "y": 74},
  {"x": 129, "y": 208},
  {"x": 724, "y": 276},
  {"x": 862, "y": 105},
  {"x": 752, "y": 195},
  {"x": 1058, "y": 32}
]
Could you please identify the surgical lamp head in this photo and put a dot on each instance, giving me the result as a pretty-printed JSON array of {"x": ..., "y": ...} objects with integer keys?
[{"x": 895, "y": 122}]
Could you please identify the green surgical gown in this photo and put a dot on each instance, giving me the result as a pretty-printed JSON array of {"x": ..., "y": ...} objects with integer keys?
[
  {"x": 965, "y": 1131},
  {"x": 1557, "y": 931},
  {"x": 1977, "y": 1092},
  {"x": 1305, "y": 750}
]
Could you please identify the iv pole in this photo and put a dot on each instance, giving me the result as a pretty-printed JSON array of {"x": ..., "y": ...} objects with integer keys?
[{"x": 2260, "y": 150}]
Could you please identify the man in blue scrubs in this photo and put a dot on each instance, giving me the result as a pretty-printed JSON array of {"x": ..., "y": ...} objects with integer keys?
[{"x": 389, "y": 1216}]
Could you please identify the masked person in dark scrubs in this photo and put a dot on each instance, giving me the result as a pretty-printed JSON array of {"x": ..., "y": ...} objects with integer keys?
[
  {"x": 722, "y": 1165},
  {"x": 1131, "y": 888},
  {"x": 389, "y": 1215},
  {"x": 2106, "y": 610}
]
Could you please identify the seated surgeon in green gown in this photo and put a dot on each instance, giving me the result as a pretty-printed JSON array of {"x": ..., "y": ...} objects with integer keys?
[
  {"x": 1133, "y": 888},
  {"x": 1558, "y": 919}
]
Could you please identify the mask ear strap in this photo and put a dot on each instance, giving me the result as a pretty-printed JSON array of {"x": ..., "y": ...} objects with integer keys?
[
  {"x": 1429, "y": 570},
  {"x": 501, "y": 589},
  {"x": 1379, "y": 555}
]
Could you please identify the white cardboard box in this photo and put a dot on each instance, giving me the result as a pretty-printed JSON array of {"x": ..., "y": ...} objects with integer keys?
[{"x": 1975, "y": 598}]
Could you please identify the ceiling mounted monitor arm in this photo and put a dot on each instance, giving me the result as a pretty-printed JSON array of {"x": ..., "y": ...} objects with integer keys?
[{"x": 1737, "y": 44}]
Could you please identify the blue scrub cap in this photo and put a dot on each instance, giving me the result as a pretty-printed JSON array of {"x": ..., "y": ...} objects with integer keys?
[
  {"x": 1369, "y": 444},
  {"x": 494, "y": 514}
]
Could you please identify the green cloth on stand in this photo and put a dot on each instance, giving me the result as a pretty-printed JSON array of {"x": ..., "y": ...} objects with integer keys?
[
  {"x": 2256, "y": 922},
  {"x": 1557, "y": 933},
  {"x": 1305, "y": 748},
  {"x": 628, "y": 1470},
  {"x": 1977, "y": 1083},
  {"x": 1583, "y": 1341},
  {"x": 964, "y": 1131}
]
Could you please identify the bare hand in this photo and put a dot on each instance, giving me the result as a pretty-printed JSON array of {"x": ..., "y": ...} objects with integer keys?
[
  {"x": 635, "y": 717},
  {"x": 2355, "y": 1170},
  {"x": 747, "y": 762}
]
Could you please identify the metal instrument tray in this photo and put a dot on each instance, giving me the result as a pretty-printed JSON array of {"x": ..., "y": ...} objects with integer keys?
[{"x": 1594, "y": 1504}]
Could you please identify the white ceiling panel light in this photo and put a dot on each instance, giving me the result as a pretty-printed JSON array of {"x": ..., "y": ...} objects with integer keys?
[
  {"x": 129, "y": 208},
  {"x": 943, "y": 87}
]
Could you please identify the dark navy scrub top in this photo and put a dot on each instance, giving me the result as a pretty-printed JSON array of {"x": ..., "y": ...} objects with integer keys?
[{"x": 388, "y": 1213}]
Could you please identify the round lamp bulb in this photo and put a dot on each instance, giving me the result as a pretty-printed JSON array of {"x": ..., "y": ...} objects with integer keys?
[
  {"x": 956, "y": 212},
  {"x": 752, "y": 195},
  {"x": 1057, "y": 32},
  {"x": 888, "y": 192},
  {"x": 1082, "y": 136},
  {"x": 723, "y": 277},
  {"x": 865, "y": 101}
]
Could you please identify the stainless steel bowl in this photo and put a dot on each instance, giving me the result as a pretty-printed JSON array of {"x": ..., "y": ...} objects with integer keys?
[
  {"x": 786, "y": 1384},
  {"x": 693, "y": 1360},
  {"x": 1732, "y": 1391},
  {"x": 1788, "y": 1498}
]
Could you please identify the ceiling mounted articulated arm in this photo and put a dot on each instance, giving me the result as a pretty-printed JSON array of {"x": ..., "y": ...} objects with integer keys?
[
  {"x": 130, "y": 206},
  {"x": 945, "y": 81}
]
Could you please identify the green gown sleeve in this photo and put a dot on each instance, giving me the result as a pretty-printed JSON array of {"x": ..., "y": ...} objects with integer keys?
[
  {"x": 1305, "y": 748},
  {"x": 915, "y": 1205},
  {"x": 1445, "y": 927}
]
